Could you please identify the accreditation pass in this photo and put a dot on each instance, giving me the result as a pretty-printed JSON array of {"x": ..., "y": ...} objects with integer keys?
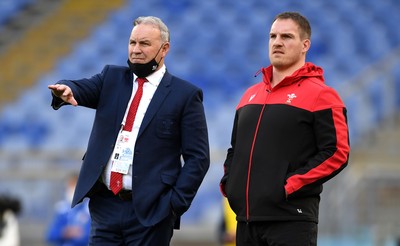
[{"x": 123, "y": 152}]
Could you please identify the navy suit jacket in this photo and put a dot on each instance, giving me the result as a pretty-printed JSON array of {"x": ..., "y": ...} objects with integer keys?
[{"x": 173, "y": 129}]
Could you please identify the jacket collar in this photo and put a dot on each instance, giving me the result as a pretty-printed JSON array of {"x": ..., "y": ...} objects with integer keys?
[{"x": 306, "y": 71}]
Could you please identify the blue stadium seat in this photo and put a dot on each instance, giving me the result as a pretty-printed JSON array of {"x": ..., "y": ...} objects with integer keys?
[{"x": 9, "y": 8}]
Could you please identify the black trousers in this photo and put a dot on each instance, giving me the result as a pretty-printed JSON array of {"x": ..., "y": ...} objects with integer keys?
[
  {"x": 114, "y": 223},
  {"x": 277, "y": 233}
]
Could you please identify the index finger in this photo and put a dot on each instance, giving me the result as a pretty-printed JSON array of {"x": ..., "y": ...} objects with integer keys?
[{"x": 56, "y": 87}]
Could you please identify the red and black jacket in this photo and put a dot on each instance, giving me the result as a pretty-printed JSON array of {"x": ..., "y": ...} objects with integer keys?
[{"x": 289, "y": 139}]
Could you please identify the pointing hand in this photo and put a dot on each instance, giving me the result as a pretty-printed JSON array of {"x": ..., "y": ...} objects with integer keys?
[{"x": 63, "y": 92}]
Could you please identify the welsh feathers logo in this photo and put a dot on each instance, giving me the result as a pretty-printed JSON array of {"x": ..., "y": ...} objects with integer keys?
[{"x": 290, "y": 98}]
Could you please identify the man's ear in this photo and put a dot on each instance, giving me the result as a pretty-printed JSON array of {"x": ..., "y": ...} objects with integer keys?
[
  {"x": 165, "y": 49},
  {"x": 306, "y": 45}
]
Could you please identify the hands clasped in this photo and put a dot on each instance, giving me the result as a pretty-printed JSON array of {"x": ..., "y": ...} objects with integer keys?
[{"x": 63, "y": 92}]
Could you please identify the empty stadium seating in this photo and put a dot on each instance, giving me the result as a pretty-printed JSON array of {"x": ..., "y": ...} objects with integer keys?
[
  {"x": 218, "y": 45},
  {"x": 9, "y": 8}
]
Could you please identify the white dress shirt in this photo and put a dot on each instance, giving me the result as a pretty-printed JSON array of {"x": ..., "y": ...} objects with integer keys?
[{"x": 149, "y": 88}]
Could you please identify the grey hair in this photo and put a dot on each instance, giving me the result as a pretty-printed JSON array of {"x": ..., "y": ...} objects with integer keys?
[{"x": 155, "y": 21}]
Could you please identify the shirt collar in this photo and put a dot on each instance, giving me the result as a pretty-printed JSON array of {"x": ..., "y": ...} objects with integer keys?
[{"x": 154, "y": 78}]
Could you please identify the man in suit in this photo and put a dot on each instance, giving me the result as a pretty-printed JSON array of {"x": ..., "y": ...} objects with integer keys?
[{"x": 170, "y": 126}]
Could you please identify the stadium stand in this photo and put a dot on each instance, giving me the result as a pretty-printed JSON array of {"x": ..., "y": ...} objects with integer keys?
[
  {"x": 10, "y": 8},
  {"x": 219, "y": 45},
  {"x": 36, "y": 51}
]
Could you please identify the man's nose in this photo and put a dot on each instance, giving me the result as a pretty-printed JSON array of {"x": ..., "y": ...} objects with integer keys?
[
  {"x": 277, "y": 41},
  {"x": 136, "y": 48}
]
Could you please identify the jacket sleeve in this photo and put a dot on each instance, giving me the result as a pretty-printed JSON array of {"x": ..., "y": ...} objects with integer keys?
[
  {"x": 332, "y": 140},
  {"x": 195, "y": 153},
  {"x": 57, "y": 102},
  {"x": 86, "y": 91}
]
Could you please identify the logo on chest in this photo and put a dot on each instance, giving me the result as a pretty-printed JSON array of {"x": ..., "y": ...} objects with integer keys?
[{"x": 290, "y": 98}]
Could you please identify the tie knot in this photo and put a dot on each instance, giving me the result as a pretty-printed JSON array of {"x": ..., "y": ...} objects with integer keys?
[{"x": 141, "y": 81}]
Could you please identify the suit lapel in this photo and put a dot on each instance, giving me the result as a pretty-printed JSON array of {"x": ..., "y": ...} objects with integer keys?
[{"x": 157, "y": 100}]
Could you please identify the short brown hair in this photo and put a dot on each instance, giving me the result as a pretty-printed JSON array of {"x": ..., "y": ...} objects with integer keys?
[{"x": 302, "y": 22}]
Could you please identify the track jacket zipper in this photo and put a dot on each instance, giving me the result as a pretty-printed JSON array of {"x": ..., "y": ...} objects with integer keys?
[{"x": 251, "y": 157}]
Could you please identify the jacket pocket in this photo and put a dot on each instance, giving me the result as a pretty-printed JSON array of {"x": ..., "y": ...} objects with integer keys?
[{"x": 168, "y": 179}]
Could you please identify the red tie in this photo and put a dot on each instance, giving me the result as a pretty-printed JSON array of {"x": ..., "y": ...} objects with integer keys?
[{"x": 116, "y": 178}]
